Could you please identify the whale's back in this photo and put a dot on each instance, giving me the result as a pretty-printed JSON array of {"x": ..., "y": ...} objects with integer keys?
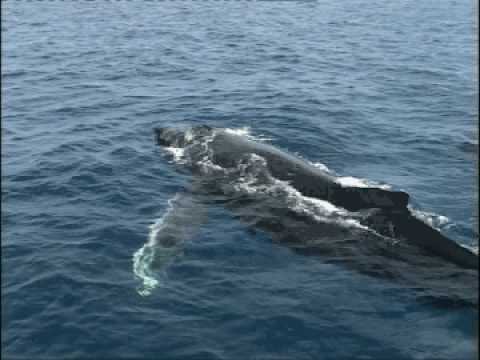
[{"x": 303, "y": 176}]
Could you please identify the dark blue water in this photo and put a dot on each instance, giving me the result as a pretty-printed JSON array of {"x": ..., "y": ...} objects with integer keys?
[{"x": 376, "y": 90}]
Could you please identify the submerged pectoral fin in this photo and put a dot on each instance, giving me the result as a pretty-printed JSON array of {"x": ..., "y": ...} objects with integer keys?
[{"x": 181, "y": 222}]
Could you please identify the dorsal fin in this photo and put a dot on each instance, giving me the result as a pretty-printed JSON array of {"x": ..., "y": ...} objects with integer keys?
[
  {"x": 376, "y": 197},
  {"x": 356, "y": 198}
]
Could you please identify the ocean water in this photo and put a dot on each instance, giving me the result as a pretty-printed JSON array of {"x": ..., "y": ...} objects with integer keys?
[{"x": 378, "y": 92}]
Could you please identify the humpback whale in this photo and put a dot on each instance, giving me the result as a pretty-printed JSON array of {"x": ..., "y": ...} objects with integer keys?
[
  {"x": 390, "y": 216},
  {"x": 370, "y": 229}
]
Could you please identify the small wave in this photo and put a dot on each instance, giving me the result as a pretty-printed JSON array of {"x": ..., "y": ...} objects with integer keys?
[
  {"x": 469, "y": 147},
  {"x": 14, "y": 73}
]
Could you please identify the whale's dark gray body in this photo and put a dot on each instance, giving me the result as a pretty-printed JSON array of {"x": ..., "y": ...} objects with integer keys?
[
  {"x": 387, "y": 211},
  {"x": 386, "y": 241},
  {"x": 306, "y": 178}
]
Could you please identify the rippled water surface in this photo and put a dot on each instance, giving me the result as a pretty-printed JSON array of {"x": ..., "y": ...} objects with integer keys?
[{"x": 374, "y": 90}]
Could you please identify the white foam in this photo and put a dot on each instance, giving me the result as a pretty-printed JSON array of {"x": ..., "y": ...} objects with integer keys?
[
  {"x": 144, "y": 257},
  {"x": 321, "y": 166},
  {"x": 177, "y": 153},
  {"x": 246, "y": 132},
  {"x": 243, "y": 131},
  {"x": 434, "y": 220},
  {"x": 188, "y": 135},
  {"x": 255, "y": 179},
  {"x": 141, "y": 260},
  {"x": 324, "y": 211},
  {"x": 351, "y": 181},
  {"x": 440, "y": 223},
  {"x": 473, "y": 248}
]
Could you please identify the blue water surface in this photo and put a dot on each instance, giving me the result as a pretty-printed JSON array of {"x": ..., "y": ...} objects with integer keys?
[{"x": 379, "y": 90}]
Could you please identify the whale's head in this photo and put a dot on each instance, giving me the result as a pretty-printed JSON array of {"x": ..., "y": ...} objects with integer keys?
[{"x": 168, "y": 136}]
